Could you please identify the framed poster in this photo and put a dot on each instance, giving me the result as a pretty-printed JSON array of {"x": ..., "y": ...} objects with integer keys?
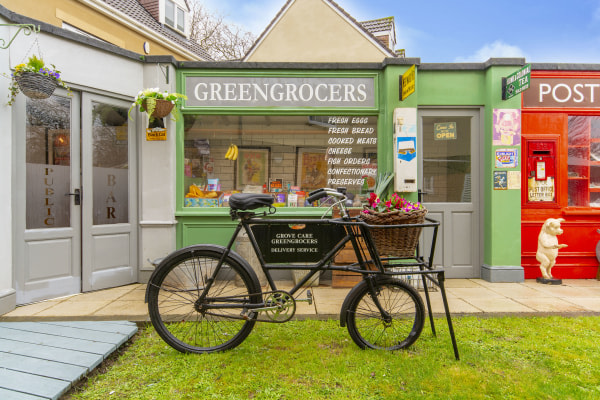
[
  {"x": 507, "y": 158},
  {"x": 311, "y": 169},
  {"x": 500, "y": 180},
  {"x": 252, "y": 167},
  {"x": 507, "y": 127}
]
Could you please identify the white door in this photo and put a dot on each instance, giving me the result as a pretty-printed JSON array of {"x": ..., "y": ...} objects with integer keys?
[
  {"x": 48, "y": 218},
  {"x": 449, "y": 170},
  {"x": 75, "y": 213},
  {"x": 109, "y": 194}
]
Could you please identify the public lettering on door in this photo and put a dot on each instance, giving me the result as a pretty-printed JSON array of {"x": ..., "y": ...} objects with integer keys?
[
  {"x": 47, "y": 199},
  {"x": 49, "y": 195}
]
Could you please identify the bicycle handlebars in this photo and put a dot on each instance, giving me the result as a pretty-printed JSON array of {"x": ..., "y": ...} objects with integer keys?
[{"x": 339, "y": 193}]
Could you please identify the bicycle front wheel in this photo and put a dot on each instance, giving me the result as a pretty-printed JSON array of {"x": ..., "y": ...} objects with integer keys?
[
  {"x": 197, "y": 309},
  {"x": 396, "y": 325}
]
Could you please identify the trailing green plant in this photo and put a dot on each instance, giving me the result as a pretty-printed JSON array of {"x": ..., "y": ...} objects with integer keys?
[
  {"x": 146, "y": 100},
  {"x": 37, "y": 66}
]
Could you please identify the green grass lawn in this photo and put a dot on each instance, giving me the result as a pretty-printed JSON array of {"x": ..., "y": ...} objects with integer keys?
[{"x": 501, "y": 358}]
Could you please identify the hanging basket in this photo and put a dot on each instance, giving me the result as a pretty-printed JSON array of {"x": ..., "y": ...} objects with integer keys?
[
  {"x": 400, "y": 241},
  {"x": 162, "y": 109},
  {"x": 36, "y": 86}
]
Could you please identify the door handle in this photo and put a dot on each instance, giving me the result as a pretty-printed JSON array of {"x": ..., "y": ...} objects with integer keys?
[
  {"x": 77, "y": 195},
  {"x": 420, "y": 194}
]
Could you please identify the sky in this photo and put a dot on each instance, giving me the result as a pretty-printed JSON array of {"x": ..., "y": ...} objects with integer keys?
[{"x": 436, "y": 31}]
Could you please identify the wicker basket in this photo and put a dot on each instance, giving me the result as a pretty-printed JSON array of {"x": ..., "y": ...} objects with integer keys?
[
  {"x": 398, "y": 241},
  {"x": 162, "y": 109},
  {"x": 36, "y": 86}
]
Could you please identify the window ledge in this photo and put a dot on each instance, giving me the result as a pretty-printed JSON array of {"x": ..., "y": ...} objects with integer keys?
[{"x": 581, "y": 211}]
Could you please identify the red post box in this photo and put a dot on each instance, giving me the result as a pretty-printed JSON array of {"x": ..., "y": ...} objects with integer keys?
[{"x": 541, "y": 170}]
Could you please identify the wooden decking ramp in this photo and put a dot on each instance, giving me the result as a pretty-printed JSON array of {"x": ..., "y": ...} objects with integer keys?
[{"x": 42, "y": 360}]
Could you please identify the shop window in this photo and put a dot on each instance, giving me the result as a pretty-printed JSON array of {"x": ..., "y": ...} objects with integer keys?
[
  {"x": 287, "y": 156},
  {"x": 584, "y": 161}
]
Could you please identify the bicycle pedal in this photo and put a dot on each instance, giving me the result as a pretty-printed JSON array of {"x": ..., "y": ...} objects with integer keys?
[
  {"x": 246, "y": 314},
  {"x": 309, "y": 298}
]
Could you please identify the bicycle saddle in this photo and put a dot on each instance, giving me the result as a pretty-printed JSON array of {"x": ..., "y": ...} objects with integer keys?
[{"x": 250, "y": 201}]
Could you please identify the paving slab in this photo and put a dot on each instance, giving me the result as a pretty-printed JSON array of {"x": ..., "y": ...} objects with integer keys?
[
  {"x": 552, "y": 305},
  {"x": 591, "y": 304},
  {"x": 473, "y": 293},
  {"x": 500, "y": 305},
  {"x": 461, "y": 283}
]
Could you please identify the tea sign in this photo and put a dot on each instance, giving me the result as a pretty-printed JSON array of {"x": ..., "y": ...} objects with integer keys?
[{"x": 515, "y": 83}]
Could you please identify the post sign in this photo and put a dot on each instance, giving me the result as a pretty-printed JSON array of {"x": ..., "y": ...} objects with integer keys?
[
  {"x": 407, "y": 83},
  {"x": 444, "y": 131},
  {"x": 514, "y": 84},
  {"x": 563, "y": 92}
]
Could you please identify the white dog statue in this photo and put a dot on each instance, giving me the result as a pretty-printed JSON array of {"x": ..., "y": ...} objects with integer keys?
[{"x": 548, "y": 245}]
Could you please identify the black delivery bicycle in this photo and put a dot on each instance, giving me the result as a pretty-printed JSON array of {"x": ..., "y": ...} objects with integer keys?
[{"x": 206, "y": 298}]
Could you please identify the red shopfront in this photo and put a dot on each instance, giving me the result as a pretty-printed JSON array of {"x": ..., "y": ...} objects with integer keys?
[{"x": 561, "y": 168}]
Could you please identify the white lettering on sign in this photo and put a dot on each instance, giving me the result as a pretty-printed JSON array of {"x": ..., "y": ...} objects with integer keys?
[
  {"x": 562, "y": 93},
  {"x": 279, "y": 92}
]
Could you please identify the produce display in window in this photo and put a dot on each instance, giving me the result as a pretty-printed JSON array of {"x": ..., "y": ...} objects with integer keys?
[{"x": 287, "y": 156}]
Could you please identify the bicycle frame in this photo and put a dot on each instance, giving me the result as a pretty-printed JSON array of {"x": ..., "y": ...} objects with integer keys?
[
  {"x": 318, "y": 241},
  {"x": 368, "y": 260}
]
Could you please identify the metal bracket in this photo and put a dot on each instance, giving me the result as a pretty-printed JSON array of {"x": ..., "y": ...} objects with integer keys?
[
  {"x": 165, "y": 72},
  {"x": 26, "y": 28}
]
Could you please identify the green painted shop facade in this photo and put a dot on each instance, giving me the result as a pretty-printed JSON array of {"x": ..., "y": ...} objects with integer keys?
[{"x": 301, "y": 126}]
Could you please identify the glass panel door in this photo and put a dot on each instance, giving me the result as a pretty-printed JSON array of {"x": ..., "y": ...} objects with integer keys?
[
  {"x": 109, "y": 212},
  {"x": 48, "y": 213},
  {"x": 449, "y": 167}
]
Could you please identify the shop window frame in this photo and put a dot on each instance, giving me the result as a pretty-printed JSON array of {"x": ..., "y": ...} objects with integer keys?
[
  {"x": 375, "y": 110},
  {"x": 563, "y": 146}
]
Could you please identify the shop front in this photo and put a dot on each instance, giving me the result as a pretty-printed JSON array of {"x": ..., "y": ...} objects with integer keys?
[
  {"x": 561, "y": 158},
  {"x": 287, "y": 129}
]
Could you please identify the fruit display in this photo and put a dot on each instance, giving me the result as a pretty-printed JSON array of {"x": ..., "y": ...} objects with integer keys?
[
  {"x": 197, "y": 197},
  {"x": 232, "y": 152}
]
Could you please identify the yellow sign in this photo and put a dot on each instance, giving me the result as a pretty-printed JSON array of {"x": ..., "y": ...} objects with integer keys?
[
  {"x": 121, "y": 133},
  {"x": 407, "y": 86},
  {"x": 156, "y": 134}
]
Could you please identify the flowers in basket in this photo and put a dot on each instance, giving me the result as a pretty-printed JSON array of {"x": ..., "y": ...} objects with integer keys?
[
  {"x": 155, "y": 103},
  {"x": 395, "y": 203},
  {"x": 35, "y": 79},
  {"x": 399, "y": 241}
]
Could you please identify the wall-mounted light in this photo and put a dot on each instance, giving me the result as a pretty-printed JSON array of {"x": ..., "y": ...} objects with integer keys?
[{"x": 146, "y": 47}]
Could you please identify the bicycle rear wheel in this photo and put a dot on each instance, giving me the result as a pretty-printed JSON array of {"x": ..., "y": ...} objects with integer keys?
[
  {"x": 398, "y": 329},
  {"x": 192, "y": 319}
]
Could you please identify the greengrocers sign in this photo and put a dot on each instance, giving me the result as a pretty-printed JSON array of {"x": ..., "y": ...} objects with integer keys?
[
  {"x": 562, "y": 92},
  {"x": 280, "y": 92}
]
